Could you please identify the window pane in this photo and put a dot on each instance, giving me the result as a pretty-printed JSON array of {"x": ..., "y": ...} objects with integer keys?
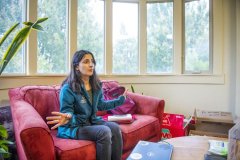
[
  {"x": 90, "y": 29},
  {"x": 160, "y": 37},
  {"x": 11, "y": 12},
  {"x": 197, "y": 52},
  {"x": 125, "y": 38},
  {"x": 52, "y": 43}
]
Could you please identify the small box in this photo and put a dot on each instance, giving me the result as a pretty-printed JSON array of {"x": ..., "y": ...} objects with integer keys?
[
  {"x": 212, "y": 123},
  {"x": 204, "y": 133},
  {"x": 174, "y": 125},
  {"x": 213, "y": 116}
]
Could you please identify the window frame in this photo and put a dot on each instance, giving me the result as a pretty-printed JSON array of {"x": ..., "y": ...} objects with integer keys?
[
  {"x": 173, "y": 51},
  {"x": 210, "y": 71},
  {"x": 23, "y": 49},
  {"x": 216, "y": 77},
  {"x": 104, "y": 36},
  {"x": 67, "y": 45},
  {"x": 138, "y": 36}
]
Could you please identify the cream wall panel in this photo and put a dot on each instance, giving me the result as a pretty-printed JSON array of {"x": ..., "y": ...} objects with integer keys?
[
  {"x": 237, "y": 106},
  {"x": 184, "y": 98},
  {"x": 229, "y": 42}
]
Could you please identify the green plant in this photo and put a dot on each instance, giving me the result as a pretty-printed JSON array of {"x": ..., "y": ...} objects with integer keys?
[
  {"x": 133, "y": 90},
  {"x": 18, "y": 40},
  {"x": 4, "y": 142}
]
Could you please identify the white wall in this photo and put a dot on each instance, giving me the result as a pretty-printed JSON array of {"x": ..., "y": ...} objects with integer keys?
[
  {"x": 181, "y": 93},
  {"x": 237, "y": 106},
  {"x": 183, "y": 98},
  {"x": 230, "y": 51}
]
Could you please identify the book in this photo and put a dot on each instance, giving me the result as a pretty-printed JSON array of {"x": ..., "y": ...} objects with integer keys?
[
  {"x": 151, "y": 151},
  {"x": 210, "y": 156},
  {"x": 218, "y": 150},
  {"x": 218, "y": 147},
  {"x": 122, "y": 117}
]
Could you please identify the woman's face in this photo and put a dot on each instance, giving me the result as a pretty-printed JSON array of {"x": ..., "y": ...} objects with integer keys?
[{"x": 86, "y": 65}]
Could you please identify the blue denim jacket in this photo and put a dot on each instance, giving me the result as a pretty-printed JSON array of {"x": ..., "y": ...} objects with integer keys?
[{"x": 82, "y": 110}]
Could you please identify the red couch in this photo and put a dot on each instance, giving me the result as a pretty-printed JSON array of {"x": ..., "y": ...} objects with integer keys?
[{"x": 30, "y": 105}]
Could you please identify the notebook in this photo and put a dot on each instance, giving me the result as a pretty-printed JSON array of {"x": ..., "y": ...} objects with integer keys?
[{"x": 145, "y": 150}]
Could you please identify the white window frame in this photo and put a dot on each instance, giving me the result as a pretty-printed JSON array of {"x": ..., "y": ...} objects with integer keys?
[
  {"x": 139, "y": 34},
  {"x": 217, "y": 76},
  {"x": 23, "y": 48},
  {"x": 32, "y": 40},
  {"x": 210, "y": 71}
]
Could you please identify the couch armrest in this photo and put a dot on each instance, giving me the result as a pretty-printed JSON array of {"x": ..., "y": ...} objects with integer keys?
[
  {"x": 35, "y": 139},
  {"x": 148, "y": 105}
]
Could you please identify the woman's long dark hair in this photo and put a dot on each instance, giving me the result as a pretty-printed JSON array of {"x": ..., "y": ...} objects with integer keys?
[{"x": 74, "y": 78}]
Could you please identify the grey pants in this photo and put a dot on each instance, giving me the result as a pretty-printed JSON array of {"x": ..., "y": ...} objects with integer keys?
[{"x": 108, "y": 138}]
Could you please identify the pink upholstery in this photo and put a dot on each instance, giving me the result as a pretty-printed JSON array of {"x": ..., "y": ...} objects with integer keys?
[{"x": 31, "y": 105}]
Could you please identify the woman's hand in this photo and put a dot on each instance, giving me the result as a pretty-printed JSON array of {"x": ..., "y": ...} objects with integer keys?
[
  {"x": 125, "y": 94},
  {"x": 58, "y": 119}
]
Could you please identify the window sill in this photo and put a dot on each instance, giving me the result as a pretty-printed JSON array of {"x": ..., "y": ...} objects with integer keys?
[
  {"x": 7, "y": 82},
  {"x": 166, "y": 79}
]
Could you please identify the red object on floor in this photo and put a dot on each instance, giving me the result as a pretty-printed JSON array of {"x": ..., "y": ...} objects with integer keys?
[{"x": 173, "y": 126}]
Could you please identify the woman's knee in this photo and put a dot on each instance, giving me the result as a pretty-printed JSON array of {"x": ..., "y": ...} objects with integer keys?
[
  {"x": 114, "y": 127},
  {"x": 104, "y": 133}
]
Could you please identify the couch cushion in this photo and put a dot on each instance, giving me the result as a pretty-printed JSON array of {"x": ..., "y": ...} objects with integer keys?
[
  {"x": 143, "y": 128},
  {"x": 70, "y": 149}
]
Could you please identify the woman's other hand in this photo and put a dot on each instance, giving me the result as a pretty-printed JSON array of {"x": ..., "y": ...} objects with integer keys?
[{"x": 58, "y": 119}]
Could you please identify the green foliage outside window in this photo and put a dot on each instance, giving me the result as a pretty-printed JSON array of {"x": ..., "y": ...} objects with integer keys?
[
  {"x": 160, "y": 37},
  {"x": 197, "y": 39},
  {"x": 90, "y": 30},
  {"x": 52, "y": 44},
  {"x": 10, "y": 13}
]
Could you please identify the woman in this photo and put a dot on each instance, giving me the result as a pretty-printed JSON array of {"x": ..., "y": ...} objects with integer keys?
[{"x": 80, "y": 98}]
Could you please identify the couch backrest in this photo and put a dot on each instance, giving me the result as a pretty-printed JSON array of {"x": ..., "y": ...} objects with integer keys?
[{"x": 45, "y": 99}]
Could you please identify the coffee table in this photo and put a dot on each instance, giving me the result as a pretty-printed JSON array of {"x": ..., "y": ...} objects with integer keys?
[{"x": 191, "y": 147}]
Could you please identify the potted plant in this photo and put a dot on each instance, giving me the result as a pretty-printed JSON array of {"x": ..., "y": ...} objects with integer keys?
[
  {"x": 18, "y": 40},
  {"x": 12, "y": 49},
  {"x": 4, "y": 153}
]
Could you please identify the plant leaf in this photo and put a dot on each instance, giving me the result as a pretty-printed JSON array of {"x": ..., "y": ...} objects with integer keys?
[
  {"x": 3, "y": 150},
  {"x": 5, "y": 147},
  {"x": 18, "y": 40},
  {"x": 5, "y": 142},
  {"x": 8, "y": 33},
  {"x": 5, "y": 153},
  {"x": 3, "y": 132},
  {"x": 14, "y": 46},
  {"x": 133, "y": 91},
  {"x": 34, "y": 26},
  {"x": 40, "y": 20}
]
